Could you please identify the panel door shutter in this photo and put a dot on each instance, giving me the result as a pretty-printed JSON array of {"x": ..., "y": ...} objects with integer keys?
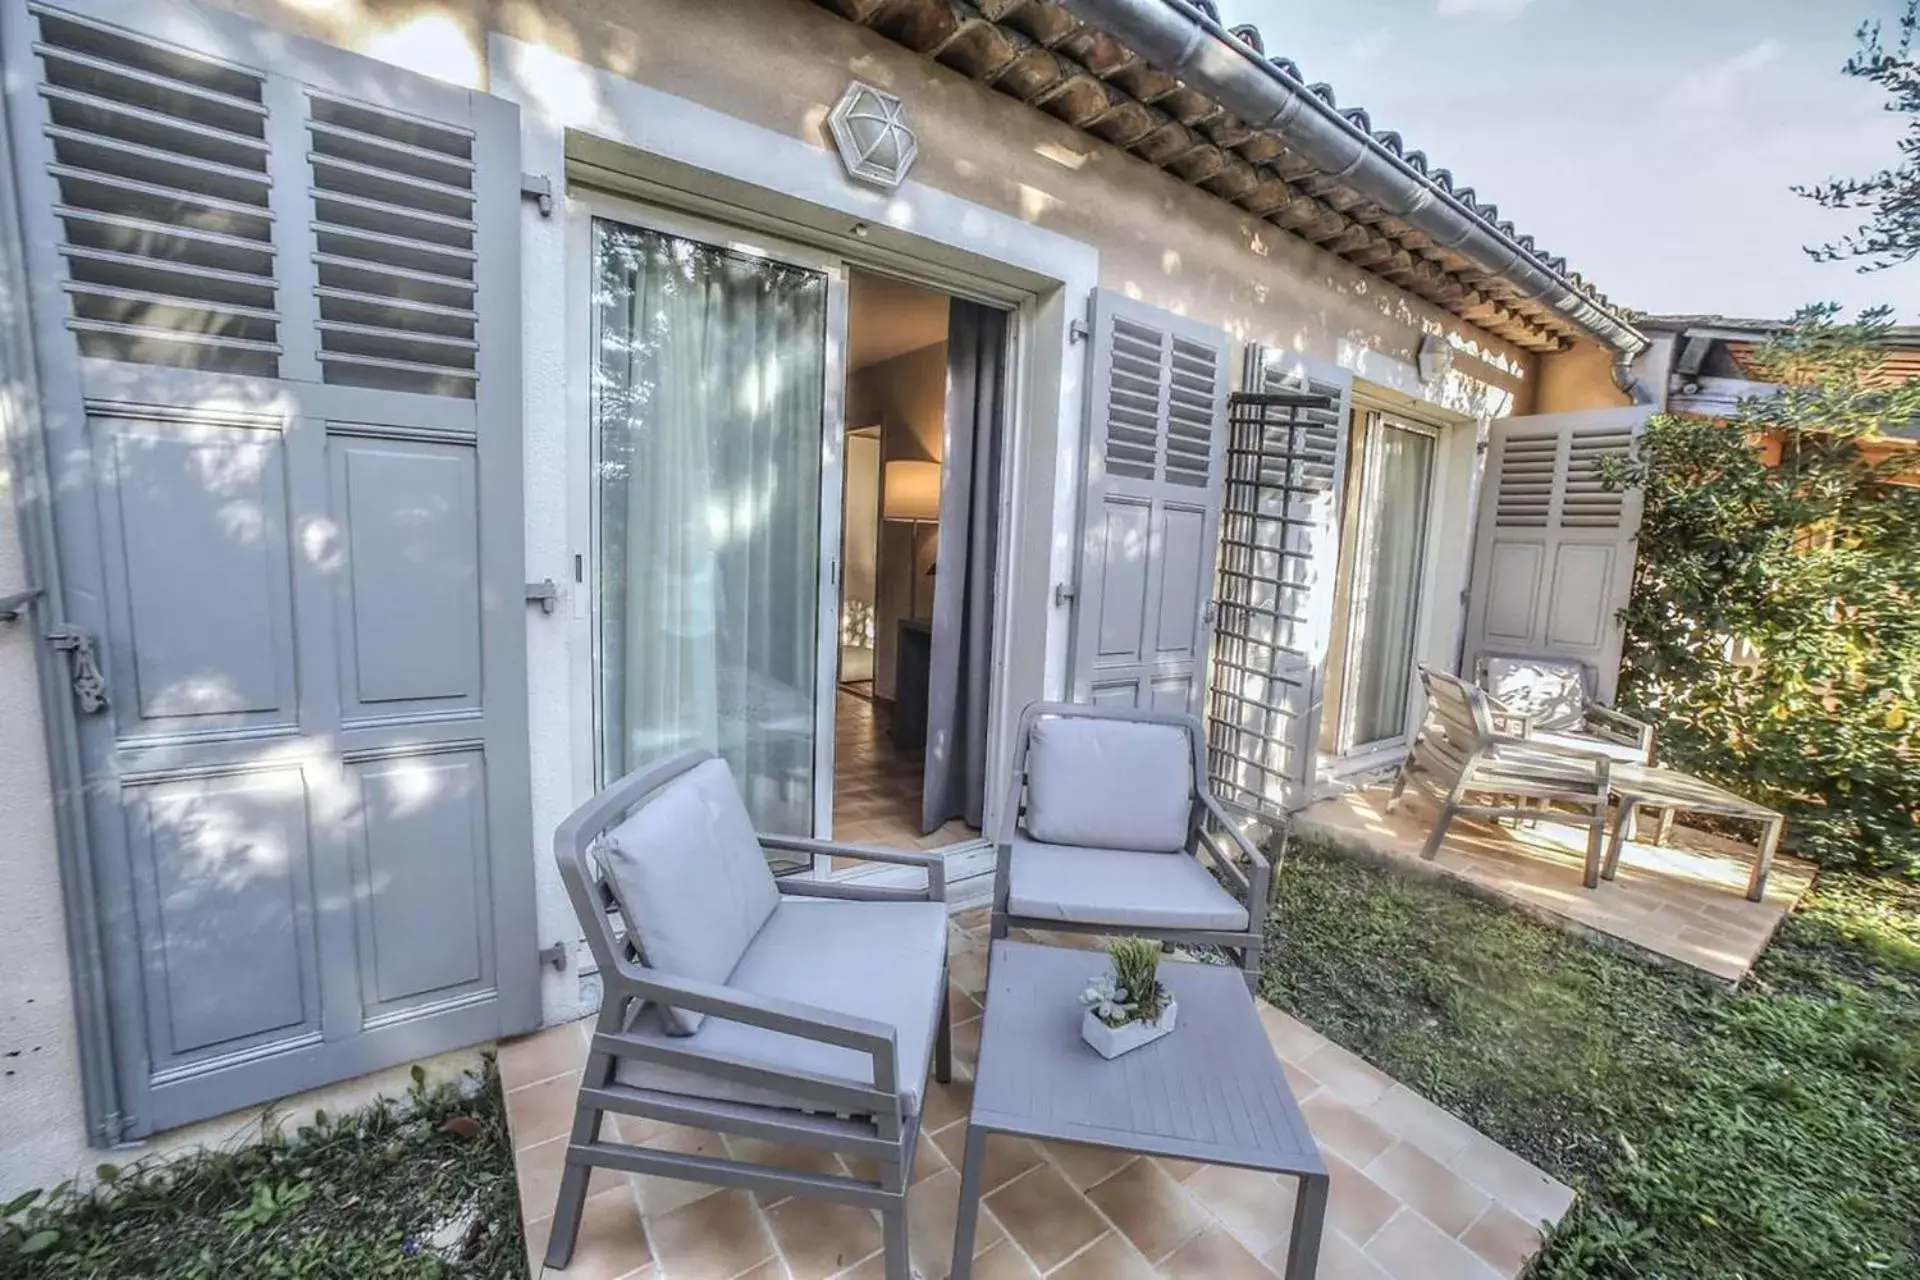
[
  {"x": 1156, "y": 440},
  {"x": 275, "y": 290},
  {"x": 1279, "y": 561},
  {"x": 1553, "y": 557}
]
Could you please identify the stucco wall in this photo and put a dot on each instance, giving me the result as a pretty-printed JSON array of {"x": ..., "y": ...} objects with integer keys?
[{"x": 1578, "y": 378}]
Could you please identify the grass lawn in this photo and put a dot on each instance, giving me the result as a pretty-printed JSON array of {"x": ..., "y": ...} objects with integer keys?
[
  {"x": 1772, "y": 1134},
  {"x": 420, "y": 1189}
]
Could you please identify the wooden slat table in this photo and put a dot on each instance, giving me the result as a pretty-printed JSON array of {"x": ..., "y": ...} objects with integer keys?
[
  {"x": 1211, "y": 1092},
  {"x": 1638, "y": 786}
]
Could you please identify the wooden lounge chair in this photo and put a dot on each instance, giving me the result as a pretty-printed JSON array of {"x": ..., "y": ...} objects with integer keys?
[
  {"x": 1106, "y": 816},
  {"x": 1550, "y": 700},
  {"x": 1469, "y": 764},
  {"x": 802, "y": 1012}
]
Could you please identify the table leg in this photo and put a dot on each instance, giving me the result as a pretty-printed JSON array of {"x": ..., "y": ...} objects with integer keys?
[
  {"x": 1769, "y": 844},
  {"x": 1664, "y": 832},
  {"x": 1622, "y": 824},
  {"x": 1309, "y": 1216},
  {"x": 968, "y": 1214}
]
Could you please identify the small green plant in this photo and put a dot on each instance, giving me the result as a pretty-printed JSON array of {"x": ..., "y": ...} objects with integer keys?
[{"x": 1130, "y": 990}]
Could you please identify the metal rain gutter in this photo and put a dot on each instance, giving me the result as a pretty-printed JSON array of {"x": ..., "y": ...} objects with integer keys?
[{"x": 1180, "y": 39}]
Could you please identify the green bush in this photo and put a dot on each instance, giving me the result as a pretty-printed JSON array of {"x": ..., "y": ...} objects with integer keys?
[{"x": 1774, "y": 630}]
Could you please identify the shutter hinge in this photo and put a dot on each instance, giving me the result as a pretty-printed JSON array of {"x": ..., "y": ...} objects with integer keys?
[
  {"x": 543, "y": 593},
  {"x": 89, "y": 685},
  {"x": 1481, "y": 446},
  {"x": 14, "y": 604},
  {"x": 555, "y": 956},
  {"x": 538, "y": 187},
  {"x": 1063, "y": 593},
  {"x": 1077, "y": 331}
]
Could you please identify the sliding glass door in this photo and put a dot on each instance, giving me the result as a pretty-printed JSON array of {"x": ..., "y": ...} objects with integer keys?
[
  {"x": 1387, "y": 583},
  {"x": 715, "y": 419}
]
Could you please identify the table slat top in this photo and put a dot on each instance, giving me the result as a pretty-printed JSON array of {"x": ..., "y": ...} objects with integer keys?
[
  {"x": 1663, "y": 787},
  {"x": 1212, "y": 1091}
]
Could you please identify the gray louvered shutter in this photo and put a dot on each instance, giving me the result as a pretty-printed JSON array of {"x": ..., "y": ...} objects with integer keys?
[
  {"x": 1279, "y": 561},
  {"x": 1553, "y": 559},
  {"x": 276, "y": 292},
  {"x": 1156, "y": 440}
]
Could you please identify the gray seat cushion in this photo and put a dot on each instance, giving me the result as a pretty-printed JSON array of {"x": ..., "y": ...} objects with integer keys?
[
  {"x": 879, "y": 960},
  {"x": 691, "y": 879},
  {"x": 1109, "y": 784},
  {"x": 1120, "y": 887}
]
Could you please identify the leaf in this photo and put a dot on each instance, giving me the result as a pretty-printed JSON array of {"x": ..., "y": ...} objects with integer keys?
[
  {"x": 419, "y": 1075},
  {"x": 40, "y": 1241},
  {"x": 462, "y": 1126},
  {"x": 107, "y": 1173},
  {"x": 1897, "y": 717},
  {"x": 19, "y": 1202}
]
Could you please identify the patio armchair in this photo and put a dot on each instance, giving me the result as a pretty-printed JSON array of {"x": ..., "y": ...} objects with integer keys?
[
  {"x": 1463, "y": 751},
  {"x": 1106, "y": 817},
  {"x": 1550, "y": 700},
  {"x": 804, "y": 1012}
]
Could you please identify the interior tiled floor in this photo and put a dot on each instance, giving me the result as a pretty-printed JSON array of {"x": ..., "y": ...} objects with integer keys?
[
  {"x": 876, "y": 785},
  {"x": 1685, "y": 901},
  {"x": 1417, "y": 1194}
]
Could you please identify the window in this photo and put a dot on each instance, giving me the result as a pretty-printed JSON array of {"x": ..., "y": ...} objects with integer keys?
[{"x": 1396, "y": 497}]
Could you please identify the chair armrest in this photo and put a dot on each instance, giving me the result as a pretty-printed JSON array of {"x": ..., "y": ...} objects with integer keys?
[
  {"x": 790, "y": 1017},
  {"x": 934, "y": 864},
  {"x": 1257, "y": 883},
  {"x": 1506, "y": 719},
  {"x": 1620, "y": 725}
]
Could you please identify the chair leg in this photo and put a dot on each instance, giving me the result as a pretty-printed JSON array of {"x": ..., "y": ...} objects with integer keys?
[
  {"x": 1431, "y": 849},
  {"x": 893, "y": 1230},
  {"x": 999, "y": 928},
  {"x": 572, "y": 1200},
  {"x": 1596, "y": 838},
  {"x": 1250, "y": 966},
  {"x": 1400, "y": 783},
  {"x": 943, "y": 1040}
]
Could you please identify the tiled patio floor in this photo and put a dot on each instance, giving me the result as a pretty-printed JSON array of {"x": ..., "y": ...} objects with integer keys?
[
  {"x": 1685, "y": 901},
  {"x": 1417, "y": 1194}
]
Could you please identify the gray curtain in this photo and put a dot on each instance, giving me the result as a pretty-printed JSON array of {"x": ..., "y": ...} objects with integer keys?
[{"x": 968, "y": 550}]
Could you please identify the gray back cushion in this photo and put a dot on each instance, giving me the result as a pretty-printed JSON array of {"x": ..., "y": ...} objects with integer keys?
[
  {"x": 1551, "y": 690},
  {"x": 692, "y": 882},
  {"x": 1109, "y": 784}
]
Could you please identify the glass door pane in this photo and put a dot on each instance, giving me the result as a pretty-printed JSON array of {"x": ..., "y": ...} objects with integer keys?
[
  {"x": 1386, "y": 590},
  {"x": 709, "y": 396}
]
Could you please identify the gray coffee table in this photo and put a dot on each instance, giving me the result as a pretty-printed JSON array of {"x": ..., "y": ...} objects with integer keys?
[
  {"x": 1645, "y": 786},
  {"x": 1212, "y": 1092}
]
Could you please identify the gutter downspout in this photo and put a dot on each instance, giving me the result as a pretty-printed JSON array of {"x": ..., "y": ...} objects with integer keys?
[
  {"x": 1628, "y": 381},
  {"x": 1179, "y": 38}
]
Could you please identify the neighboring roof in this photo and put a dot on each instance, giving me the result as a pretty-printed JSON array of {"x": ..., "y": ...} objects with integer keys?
[
  {"x": 1042, "y": 53},
  {"x": 1724, "y": 346}
]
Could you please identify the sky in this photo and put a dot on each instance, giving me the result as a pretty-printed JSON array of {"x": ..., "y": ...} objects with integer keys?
[{"x": 1652, "y": 143}]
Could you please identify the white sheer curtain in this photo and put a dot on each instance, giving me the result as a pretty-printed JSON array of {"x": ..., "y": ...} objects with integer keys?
[
  {"x": 708, "y": 399},
  {"x": 1390, "y": 579}
]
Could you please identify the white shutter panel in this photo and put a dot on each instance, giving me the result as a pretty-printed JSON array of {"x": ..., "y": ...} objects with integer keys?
[
  {"x": 1279, "y": 560},
  {"x": 1553, "y": 556},
  {"x": 275, "y": 291},
  {"x": 1156, "y": 437}
]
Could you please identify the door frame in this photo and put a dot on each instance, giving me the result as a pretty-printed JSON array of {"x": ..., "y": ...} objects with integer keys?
[
  {"x": 586, "y": 200},
  {"x": 1366, "y": 529},
  {"x": 586, "y": 208}
]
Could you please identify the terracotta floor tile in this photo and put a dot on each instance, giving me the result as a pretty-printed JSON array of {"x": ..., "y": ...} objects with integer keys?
[
  {"x": 540, "y": 1112},
  {"x": 1152, "y": 1210},
  {"x": 1343, "y": 1128},
  {"x": 1215, "y": 1255},
  {"x": 968, "y": 968},
  {"x": 930, "y": 1218},
  {"x": 541, "y": 1056},
  {"x": 1413, "y": 1247},
  {"x": 1429, "y": 1187},
  {"x": 538, "y": 1169},
  {"x": 927, "y": 1161},
  {"x": 1356, "y": 1204},
  {"x": 1513, "y": 1182},
  {"x": 1503, "y": 1239},
  {"x": 781, "y": 1155},
  {"x": 945, "y": 1103},
  {"x": 1257, "y": 1207},
  {"x": 1347, "y": 1076},
  {"x": 966, "y": 1042},
  {"x": 1046, "y": 1216},
  {"x": 1004, "y": 1262},
  {"x": 1007, "y": 1158},
  {"x": 1084, "y": 1165},
  {"x": 1291, "y": 1038},
  {"x": 1341, "y": 1259},
  {"x": 715, "y": 1238},
  {"x": 612, "y": 1242},
  {"x": 1178, "y": 1170},
  {"x": 1109, "y": 1258},
  {"x": 660, "y": 1195},
  {"x": 819, "y": 1238},
  {"x": 1411, "y": 1118}
]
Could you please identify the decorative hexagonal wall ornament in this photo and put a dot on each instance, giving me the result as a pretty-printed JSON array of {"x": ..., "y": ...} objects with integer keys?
[{"x": 870, "y": 131}]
